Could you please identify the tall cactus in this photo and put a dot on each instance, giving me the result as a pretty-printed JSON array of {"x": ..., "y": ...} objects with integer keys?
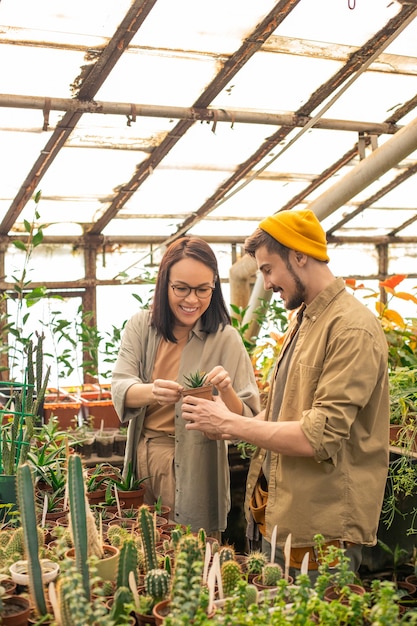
[
  {"x": 128, "y": 562},
  {"x": 148, "y": 536},
  {"x": 26, "y": 499},
  {"x": 186, "y": 589},
  {"x": 77, "y": 507}
]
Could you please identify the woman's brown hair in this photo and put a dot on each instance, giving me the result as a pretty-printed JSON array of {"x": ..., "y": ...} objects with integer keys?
[{"x": 162, "y": 317}]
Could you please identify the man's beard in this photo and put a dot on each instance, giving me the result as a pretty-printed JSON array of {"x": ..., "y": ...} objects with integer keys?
[{"x": 299, "y": 296}]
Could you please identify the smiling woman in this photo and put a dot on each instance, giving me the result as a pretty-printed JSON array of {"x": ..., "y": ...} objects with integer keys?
[{"x": 186, "y": 329}]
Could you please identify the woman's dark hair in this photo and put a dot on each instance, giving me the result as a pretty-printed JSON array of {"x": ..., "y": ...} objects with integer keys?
[
  {"x": 162, "y": 317},
  {"x": 260, "y": 238}
]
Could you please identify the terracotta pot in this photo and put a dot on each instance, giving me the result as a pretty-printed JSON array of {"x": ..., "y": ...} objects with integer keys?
[
  {"x": 333, "y": 593},
  {"x": 257, "y": 581},
  {"x": 65, "y": 409},
  {"x": 15, "y": 611},
  {"x": 8, "y": 585},
  {"x": 124, "y": 522},
  {"x": 160, "y": 611},
  {"x": 96, "y": 497},
  {"x": 205, "y": 392},
  {"x": 144, "y": 620},
  {"x": 163, "y": 510},
  {"x": 132, "y": 498}
]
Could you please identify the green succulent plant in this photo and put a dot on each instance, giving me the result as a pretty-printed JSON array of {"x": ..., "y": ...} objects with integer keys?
[{"x": 195, "y": 379}]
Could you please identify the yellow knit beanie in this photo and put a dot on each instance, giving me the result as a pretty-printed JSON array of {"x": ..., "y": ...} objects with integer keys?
[{"x": 298, "y": 230}]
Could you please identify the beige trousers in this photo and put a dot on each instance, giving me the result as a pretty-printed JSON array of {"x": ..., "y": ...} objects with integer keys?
[{"x": 155, "y": 459}]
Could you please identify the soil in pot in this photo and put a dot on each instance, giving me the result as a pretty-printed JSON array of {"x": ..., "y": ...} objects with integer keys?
[
  {"x": 15, "y": 611},
  {"x": 104, "y": 443},
  {"x": 119, "y": 446}
]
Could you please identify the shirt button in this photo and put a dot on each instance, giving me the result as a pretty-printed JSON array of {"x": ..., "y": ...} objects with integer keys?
[{"x": 248, "y": 486}]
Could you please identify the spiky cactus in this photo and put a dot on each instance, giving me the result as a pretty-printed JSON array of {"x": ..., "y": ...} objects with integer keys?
[
  {"x": 186, "y": 589},
  {"x": 251, "y": 594},
  {"x": 271, "y": 574},
  {"x": 26, "y": 499},
  {"x": 148, "y": 535},
  {"x": 128, "y": 562},
  {"x": 157, "y": 584},
  {"x": 231, "y": 574},
  {"x": 255, "y": 562},
  {"x": 118, "y": 612},
  {"x": 226, "y": 553},
  {"x": 78, "y": 519},
  {"x": 176, "y": 535}
]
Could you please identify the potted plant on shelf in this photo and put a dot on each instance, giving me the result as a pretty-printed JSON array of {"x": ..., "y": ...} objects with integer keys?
[
  {"x": 130, "y": 489},
  {"x": 196, "y": 386}
]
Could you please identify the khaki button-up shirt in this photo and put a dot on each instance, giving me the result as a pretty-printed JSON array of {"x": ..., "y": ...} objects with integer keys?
[
  {"x": 202, "y": 476},
  {"x": 337, "y": 388}
]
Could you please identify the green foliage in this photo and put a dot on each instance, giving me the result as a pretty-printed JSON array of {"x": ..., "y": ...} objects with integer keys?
[
  {"x": 128, "y": 482},
  {"x": 23, "y": 295},
  {"x": 195, "y": 379},
  {"x": 16, "y": 437}
]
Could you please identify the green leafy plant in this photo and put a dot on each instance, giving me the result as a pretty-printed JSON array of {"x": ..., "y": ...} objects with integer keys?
[
  {"x": 23, "y": 297},
  {"x": 128, "y": 481},
  {"x": 24, "y": 405},
  {"x": 195, "y": 379}
]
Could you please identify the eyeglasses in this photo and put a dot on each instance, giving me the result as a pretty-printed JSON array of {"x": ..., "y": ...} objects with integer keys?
[{"x": 182, "y": 291}]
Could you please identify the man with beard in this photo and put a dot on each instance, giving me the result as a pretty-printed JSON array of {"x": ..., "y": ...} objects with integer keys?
[{"x": 321, "y": 461}]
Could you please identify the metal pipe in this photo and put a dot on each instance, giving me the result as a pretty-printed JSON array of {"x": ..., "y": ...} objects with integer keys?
[
  {"x": 208, "y": 115},
  {"x": 392, "y": 152}
]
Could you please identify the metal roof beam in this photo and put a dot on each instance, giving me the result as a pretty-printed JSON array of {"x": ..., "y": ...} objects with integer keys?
[{"x": 230, "y": 116}]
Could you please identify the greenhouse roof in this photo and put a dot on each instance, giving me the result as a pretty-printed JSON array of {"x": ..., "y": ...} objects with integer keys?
[{"x": 143, "y": 120}]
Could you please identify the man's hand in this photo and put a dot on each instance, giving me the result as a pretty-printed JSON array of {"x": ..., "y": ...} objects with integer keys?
[{"x": 205, "y": 415}]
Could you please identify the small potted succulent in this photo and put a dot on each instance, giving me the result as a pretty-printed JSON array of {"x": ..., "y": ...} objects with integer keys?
[{"x": 196, "y": 385}]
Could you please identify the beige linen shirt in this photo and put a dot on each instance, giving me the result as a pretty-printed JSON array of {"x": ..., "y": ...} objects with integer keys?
[
  {"x": 202, "y": 475},
  {"x": 337, "y": 388}
]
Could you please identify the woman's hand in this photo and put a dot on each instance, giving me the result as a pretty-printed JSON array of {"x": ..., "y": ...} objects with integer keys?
[
  {"x": 166, "y": 391},
  {"x": 220, "y": 378}
]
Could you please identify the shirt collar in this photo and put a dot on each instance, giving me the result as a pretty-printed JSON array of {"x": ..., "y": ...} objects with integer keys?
[{"x": 324, "y": 298}]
